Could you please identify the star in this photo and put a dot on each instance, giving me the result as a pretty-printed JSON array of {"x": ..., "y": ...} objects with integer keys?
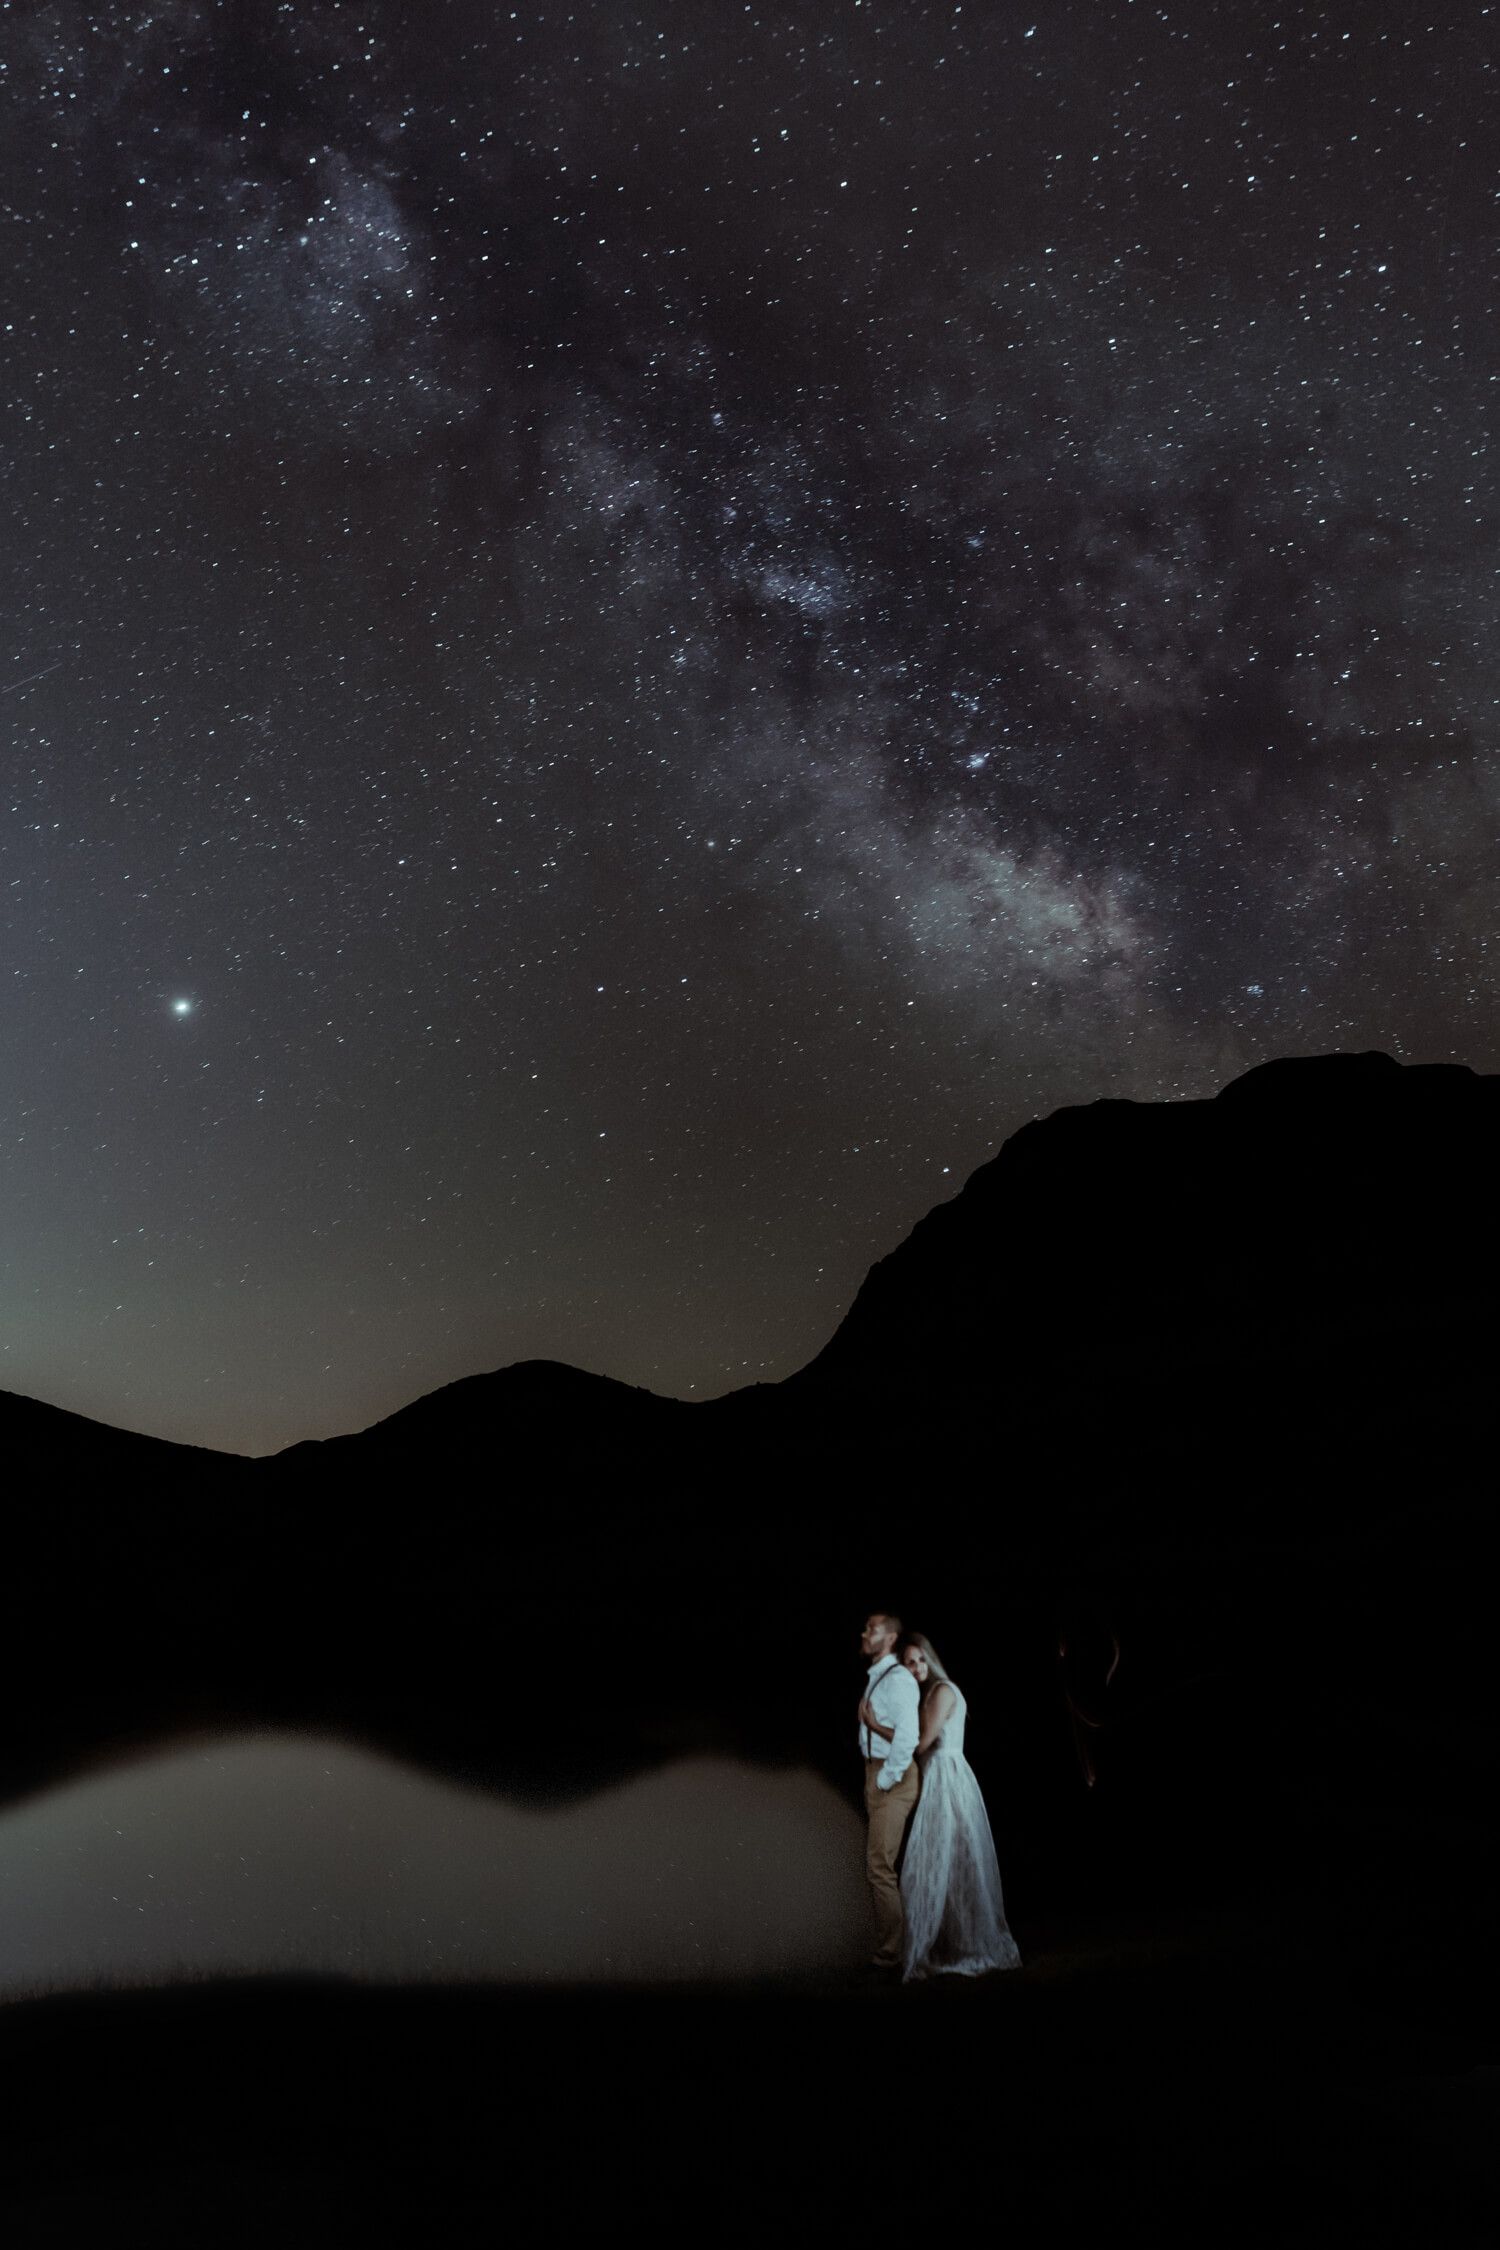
[{"x": 995, "y": 637}]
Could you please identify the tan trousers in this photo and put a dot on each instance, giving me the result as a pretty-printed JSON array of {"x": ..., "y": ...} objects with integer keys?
[{"x": 889, "y": 1811}]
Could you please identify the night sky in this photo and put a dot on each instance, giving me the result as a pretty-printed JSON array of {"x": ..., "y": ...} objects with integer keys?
[{"x": 632, "y": 633}]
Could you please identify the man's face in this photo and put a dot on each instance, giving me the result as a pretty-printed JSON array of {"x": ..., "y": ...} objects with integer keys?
[{"x": 877, "y": 1636}]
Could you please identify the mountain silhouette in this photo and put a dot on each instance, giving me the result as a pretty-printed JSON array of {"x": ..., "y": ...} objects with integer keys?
[
  {"x": 1173, "y": 1427},
  {"x": 1311, "y": 1253}
]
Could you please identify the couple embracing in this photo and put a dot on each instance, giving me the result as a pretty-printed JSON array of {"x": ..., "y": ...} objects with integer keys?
[{"x": 943, "y": 1912}]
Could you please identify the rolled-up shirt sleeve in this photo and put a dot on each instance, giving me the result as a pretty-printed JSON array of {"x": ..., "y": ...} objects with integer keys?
[{"x": 903, "y": 1707}]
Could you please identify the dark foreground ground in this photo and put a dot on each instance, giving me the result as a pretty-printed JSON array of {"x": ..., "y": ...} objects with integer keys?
[{"x": 1326, "y": 2076}]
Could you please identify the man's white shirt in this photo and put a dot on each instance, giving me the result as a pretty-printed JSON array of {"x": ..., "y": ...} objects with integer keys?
[{"x": 895, "y": 1700}]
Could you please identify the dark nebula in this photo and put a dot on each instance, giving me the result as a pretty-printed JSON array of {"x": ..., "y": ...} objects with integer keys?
[{"x": 631, "y": 635}]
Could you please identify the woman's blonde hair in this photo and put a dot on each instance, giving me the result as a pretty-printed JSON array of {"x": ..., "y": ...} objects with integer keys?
[{"x": 934, "y": 1662}]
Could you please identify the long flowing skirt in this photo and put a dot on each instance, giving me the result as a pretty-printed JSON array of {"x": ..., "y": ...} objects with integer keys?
[{"x": 950, "y": 1879}]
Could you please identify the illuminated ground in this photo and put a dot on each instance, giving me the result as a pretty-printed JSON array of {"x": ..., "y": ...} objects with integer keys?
[{"x": 1236, "y": 2079}]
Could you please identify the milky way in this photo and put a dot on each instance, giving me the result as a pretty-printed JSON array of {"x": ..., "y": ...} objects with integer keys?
[{"x": 666, "y": 623}]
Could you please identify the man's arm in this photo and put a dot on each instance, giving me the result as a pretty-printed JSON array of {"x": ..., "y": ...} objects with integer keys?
[{"x": 904, "y": 1705}]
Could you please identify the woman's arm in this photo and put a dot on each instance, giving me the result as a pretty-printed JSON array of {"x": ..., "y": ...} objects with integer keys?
[
  {"x": 868, "y": 1719},
  {"x": 935, "y": 1715}
]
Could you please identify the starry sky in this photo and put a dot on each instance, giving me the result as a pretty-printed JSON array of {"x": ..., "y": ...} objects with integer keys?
[{"x": 630, "y": 634}]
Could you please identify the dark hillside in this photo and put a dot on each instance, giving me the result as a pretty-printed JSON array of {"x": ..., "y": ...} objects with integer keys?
[{"x": 1312, "y": 1257}]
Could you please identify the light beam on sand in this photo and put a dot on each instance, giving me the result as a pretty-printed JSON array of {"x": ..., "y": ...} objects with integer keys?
[{"x": 277, "y": 1854}]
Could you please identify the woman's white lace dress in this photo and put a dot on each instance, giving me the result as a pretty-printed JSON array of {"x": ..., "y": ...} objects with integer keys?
[{"x": 950, "y": 1878}]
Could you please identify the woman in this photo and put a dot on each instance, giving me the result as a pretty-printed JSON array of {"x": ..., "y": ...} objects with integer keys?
[{"x": 950, "y": 1878}]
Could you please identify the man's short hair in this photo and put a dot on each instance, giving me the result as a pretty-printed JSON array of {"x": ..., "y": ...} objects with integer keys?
[{"x": 889, "y": 1618}]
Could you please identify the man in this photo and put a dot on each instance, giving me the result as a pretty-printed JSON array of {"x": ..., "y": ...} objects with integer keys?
[{"x": 891, "y": 1778}]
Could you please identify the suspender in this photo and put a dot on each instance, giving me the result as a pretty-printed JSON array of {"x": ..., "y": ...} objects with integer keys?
[{"x": 869, "y": 1692}]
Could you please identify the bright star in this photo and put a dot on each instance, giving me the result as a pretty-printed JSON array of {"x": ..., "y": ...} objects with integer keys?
[{"x": 182, "y": 1007}]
